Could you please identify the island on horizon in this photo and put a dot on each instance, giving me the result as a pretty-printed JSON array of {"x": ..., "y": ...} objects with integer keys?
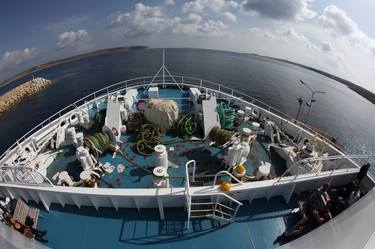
[{"x": 370, "y": 96}]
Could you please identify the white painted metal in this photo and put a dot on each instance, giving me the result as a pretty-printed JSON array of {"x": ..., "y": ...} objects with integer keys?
[
  {"x": 212, "y": 209},
  {"x": 327, "y": 163},
  {"x": 147, "y": 198},
  {"x": 351, "y": 229},
  {"x": 225, "y": 173}
]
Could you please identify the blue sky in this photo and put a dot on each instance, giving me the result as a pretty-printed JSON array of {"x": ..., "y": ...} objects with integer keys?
[{"x": 335, "y": 36}]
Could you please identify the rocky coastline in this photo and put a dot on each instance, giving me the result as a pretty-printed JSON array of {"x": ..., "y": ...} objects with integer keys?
[{"x": 14, "y": 96}]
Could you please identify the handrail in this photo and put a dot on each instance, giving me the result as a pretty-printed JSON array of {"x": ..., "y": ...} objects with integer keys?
[
  {"x": 139, "y": 81},
  {"x": 294, "y": 166},
  {"x": 187, "y": 169},
  {"x": 227, "y": 173},
  {"x": 11, "y": 174},
  {"x": 221, "y": 194},
  {"x": 326, "y": 158}
]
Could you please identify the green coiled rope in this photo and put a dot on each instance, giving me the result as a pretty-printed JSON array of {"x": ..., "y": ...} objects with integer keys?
[
  {"x": 147, "y": 138},
  {"x": 226, "y": 115},
  {"x": 185, "y": 126},
  {"x": 97, "y": 143}
]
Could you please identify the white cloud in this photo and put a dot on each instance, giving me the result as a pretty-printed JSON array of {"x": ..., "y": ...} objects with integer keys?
[
  {"x": 17, "y": 57},
  {"x": 217, "y": 6},
  {"x": 169, "y": 2},
  {"x": 229, "y": 16},
  {"x": 143, "y": 20},
  {"x": 215, "y": 29},
  {"x": 336, "y": 20},
  {"x": 340, "y": 25},
  {"x": 147, "y": 20},
  {"x": 291, "y": 34},
  {"x": 194, "y": 6},
  {"x": 281, "y": 9},
  {"x": 232, "y": 4},
  {"x": 292, "y": 37},
  {"x": 73, "y": 39}
]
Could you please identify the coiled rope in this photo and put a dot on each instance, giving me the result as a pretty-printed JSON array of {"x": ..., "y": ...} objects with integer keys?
[
  {"x": 97, "y": 143},
  {"x": 227, "y": 115},
  {"x": 185, "y": 126},
  {"x": 147, "y": 138}
]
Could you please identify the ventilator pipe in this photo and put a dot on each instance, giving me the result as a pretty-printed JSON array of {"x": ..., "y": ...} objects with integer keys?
[
  {"x": 74, "y": 119},
  {"x": 64, "y": 124},
  {"x": 72, "y": 135}
]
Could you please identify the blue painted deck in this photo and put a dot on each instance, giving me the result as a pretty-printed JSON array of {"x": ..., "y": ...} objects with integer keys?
[
  {"x": 257, "y": 226},
  {"x": 208, "y": 161}
]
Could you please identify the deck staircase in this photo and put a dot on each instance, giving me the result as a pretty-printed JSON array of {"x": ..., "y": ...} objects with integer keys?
[{"x": 219, "y": 206}]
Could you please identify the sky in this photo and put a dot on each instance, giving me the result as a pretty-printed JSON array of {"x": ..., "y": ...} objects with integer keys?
[{"x": 336, "y": 36}]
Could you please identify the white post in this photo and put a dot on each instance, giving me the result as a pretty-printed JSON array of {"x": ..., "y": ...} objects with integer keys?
[
  {"x": 136, "y": 204},
  {"x": 113, "y": 203},
  {"x": 59, "y": 199},
  {"x": 45, "y": 202},
  {"x": 75, "y": 201},
  {"x": 287, "y": 199},
  {"x": 252, "y": 196},
  {"x": 31, "y": 193},
  {"x": 10, "y": 193},
  {"x": 94, "y": 203},
  {"x": 161, "y": 210},
  {"x": 163, "y": 69}
]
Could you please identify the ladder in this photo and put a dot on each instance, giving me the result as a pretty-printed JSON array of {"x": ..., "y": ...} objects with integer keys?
[{"x": 219, "y": 206}]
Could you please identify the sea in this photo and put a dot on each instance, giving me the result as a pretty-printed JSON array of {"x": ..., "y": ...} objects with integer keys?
[{"x": 340, "y": 112}]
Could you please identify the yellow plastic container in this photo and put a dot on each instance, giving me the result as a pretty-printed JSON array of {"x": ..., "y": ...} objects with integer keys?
[
  {"x": 240, "y": 169},
  {"x": 226, "y": 186}
]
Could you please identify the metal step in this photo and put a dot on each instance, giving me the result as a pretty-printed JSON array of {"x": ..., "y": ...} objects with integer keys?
[
  {"x": 200, "y": 214},
  {"x": 226, "y": 208},
  {"x": 202, "y": 206},
  {"x": 200, "y": 200},
  {"x": 220, "y": 213}
]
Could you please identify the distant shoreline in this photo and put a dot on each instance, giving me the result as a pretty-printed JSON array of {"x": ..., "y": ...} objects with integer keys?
[
  {"x": 67, "y": 59},
  {"x": 359, "y": 90}
]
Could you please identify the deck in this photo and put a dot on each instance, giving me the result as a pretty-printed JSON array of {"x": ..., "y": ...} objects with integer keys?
[
  {"x": 256, "y": 227},
  {"x": 209, "y": 161}
]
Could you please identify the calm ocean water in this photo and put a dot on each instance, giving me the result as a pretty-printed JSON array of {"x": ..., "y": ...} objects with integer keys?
[{"x": 341, "y": 112}]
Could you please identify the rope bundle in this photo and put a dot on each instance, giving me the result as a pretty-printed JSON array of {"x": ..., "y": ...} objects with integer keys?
[
  {"x": 185, "y": 126},
  {"x": 226, "y": 114},
  {"x": 97, "y": 143},
  {"x": 220, "y": 136},
  {"x": 147, "y": 138}
]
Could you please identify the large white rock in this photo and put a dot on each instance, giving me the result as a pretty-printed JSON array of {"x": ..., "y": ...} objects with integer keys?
[{"x": 161, "y": 113}]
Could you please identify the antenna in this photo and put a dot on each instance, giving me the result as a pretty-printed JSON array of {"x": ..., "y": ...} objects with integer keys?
[
  {"x": 162, "y": 69},
  {"x": 163, "y": 66}
]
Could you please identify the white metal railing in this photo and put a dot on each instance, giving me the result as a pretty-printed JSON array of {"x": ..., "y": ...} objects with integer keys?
[
  {"x": 226, "y": 173},
  {"x": 316, "y": 165},
  {"x": 143, "y": 82},
  {"x": 187, "y": 190},
  {"x": 219, "y": 196},
  {"x": 23, "y": 175}
]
